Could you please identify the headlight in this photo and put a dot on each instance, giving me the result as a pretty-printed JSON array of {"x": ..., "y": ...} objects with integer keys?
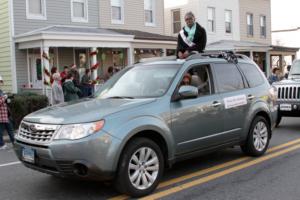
[{"x": 78, "y": 131}]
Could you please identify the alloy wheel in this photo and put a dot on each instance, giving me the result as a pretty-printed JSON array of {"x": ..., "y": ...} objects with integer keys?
[
  {"x": 260, "y": 136},
  {"x": 143, "y": 168}
]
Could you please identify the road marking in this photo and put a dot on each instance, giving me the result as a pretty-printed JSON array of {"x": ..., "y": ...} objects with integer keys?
[
  {"x": 9, "y": 164},
  {"x": 219, "y": 174},
  {"x": 209, "y": 170}
]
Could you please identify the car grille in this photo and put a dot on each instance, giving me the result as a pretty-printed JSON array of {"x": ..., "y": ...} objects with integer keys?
[
  {"x": 36, "y": 133},
  {"x": 288, "y": 93}
]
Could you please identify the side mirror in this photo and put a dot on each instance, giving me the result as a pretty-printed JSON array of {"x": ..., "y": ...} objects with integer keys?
[{"x": 188, "y": 92}]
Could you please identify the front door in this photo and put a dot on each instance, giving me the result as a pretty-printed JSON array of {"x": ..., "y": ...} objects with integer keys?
[
  {"x": 35, "y": 69},
  {"x": 196, "y": 123}
]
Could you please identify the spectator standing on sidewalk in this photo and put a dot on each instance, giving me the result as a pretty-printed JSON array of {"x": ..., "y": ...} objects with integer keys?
[
  {"x": 5, "y": 122},
  {"x": 70, "y": 90},
  {"x": 191, "y": 38},
  {"x": 64, "y": 74},
  {"x": 57, "y": 92},
  {"x": 76, "y": 76},
  {"x": 275, "y": 76}
]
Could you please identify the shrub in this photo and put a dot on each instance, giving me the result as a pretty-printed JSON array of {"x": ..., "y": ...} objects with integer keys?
[{"x": 25, "y": 103}]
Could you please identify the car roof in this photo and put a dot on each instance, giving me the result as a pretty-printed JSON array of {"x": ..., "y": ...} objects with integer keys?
[{"x": 197, "y": 58}]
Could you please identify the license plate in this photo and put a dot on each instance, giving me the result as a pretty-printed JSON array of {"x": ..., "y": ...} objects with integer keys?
[
  {"x": 286, "y": 107},
  {"x": 28, "y": 155}
]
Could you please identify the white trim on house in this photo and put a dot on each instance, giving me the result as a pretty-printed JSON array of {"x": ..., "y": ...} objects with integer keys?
[
  {"x": 85, "y": 19},
  {"x": 155, "y": 42},
  {"x": 114, "y": 21},
  {"x": 12, "y": 48},
  {"x": 42, "y": 16},
  {"x": 152, "y": 24},
  {"x": 74, "y": 36}
]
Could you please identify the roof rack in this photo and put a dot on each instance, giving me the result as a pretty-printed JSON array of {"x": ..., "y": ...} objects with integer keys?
[
  {"x": 230, "y": 56},
  {"x": 166, "y": 58}
]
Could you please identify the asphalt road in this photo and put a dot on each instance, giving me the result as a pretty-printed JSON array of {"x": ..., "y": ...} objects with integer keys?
[{"x": 226, "y": 174}]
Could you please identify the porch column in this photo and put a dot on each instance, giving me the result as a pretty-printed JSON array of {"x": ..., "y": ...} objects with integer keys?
[
  {"x": 268, "y": 64},
  {"x": 46, "y": 72},
  {"x": 45, "y": 54},
  {"x": 130, "y": 53},
  {"x": 251, "y": 55},
  {"x": 164, "y": 52},
  {"x": 94, "y": 63}
]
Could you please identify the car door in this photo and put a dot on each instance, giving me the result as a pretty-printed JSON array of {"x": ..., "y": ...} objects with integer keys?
[
  {"x": 234, "y": 95},
  {"x": 196, "y": 121}
]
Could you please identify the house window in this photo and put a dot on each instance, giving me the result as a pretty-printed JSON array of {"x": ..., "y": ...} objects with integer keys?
[
  {"x": 79, "y": 10},
  {"x": 36, "y": 9},
  {"x": 176, "y": 21},
  {"x": 117, "y": 9},
  {"x": 250, "y": 31},
  {"x": 211, "y": 19},
  {"x": 263, "y": 29},
  {"x": 149, "y": 12},
  {"x": 228, "y": 21}
]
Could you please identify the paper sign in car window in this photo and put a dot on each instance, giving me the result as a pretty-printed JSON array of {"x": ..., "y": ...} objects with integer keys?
[{"x": 235, "y": 101}]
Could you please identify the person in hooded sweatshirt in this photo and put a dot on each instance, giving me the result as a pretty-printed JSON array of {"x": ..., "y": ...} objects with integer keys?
[
  {"x": 191, "y": 38},
  {"x": 71, "y": 92}
]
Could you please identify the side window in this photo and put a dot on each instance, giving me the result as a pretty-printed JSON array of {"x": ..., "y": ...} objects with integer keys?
[
  {"x": 228, "y": 77},
  {"x": 252, "y": 74},
  {"x": 198, "y": 76}
]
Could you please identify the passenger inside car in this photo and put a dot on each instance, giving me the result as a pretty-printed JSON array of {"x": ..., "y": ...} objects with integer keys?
[{"x": 186, "y": 79}]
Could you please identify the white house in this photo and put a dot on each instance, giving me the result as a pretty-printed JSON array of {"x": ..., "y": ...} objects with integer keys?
[{"x": 219, "y": 18}]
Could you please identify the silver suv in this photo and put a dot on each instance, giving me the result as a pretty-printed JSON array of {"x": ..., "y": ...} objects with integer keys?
[
  {"x": 149, "y": 116},
  {"x": 289, "y": 94}
]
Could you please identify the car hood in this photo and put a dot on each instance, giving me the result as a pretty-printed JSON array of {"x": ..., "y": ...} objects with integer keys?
[{"x": 83, "y": 111}]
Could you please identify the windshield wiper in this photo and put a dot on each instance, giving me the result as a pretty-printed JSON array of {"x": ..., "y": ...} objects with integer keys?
[
  {"x": 120, "y": 97},
  {"x": 296, "y": 74}
]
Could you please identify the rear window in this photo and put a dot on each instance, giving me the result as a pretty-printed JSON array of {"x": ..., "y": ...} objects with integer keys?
[
  {"x": 252, "y": 74},
  {"x": 228, "y": 77}
]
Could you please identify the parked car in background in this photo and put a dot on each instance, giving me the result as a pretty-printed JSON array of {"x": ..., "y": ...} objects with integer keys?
[
  {"x": 289, "y": 94},
  {"x": 148, "y": 117}
]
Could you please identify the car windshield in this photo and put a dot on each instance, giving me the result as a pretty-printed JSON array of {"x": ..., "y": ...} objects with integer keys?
[
  {"x": 147, "y": 81},
  {"x": 295, "y": 70}
]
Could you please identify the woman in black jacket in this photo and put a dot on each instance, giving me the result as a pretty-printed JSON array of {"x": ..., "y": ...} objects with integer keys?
[{"x": 192, "y": 37}]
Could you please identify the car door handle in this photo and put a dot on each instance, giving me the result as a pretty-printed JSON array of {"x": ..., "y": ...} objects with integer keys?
[
  {"x": 251, "y": 97},
  {"x": 216, "y": 104}
]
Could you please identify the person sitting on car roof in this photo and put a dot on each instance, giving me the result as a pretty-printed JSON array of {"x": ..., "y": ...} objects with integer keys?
[{"x": 191, "y": 38}]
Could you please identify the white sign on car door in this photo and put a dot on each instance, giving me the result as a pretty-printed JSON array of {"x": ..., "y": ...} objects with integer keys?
[{"x": 235, "y": 101}]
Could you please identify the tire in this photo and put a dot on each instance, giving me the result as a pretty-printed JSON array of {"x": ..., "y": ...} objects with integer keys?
[
  {"x": 257, "y": 141},
  {"x": 133, "y": 156},
  {"x": 278, "y": 120}
]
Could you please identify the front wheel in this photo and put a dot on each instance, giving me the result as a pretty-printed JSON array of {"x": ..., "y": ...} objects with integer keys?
[
  {"x": 140, "y": 169},
  {"x": 258, "y": 137}
]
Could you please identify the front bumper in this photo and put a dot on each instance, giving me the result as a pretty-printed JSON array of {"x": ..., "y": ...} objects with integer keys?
[
  {"x": 91, "y": 158},
  {"x": 289, "y": 109}
]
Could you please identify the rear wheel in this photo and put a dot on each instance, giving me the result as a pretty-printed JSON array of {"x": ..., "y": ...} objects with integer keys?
[
  {"x": 140, "y": 169},
  {"x": 258, "y": 137}
]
